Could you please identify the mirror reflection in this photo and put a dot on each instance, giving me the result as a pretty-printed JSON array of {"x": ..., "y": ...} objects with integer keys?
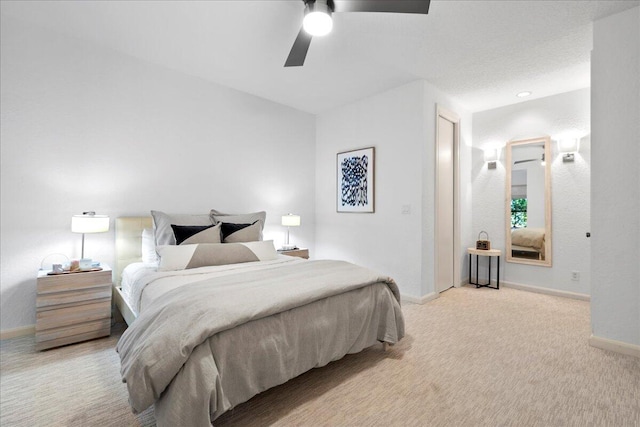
[{"x": 528, "y": 207}]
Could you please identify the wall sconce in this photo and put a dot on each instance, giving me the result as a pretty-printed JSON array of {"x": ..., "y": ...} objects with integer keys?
[
  {"x": 568, "y": 147},
  {"x": 491, "y": 157},
  {"x": 290, "y": 220},
  {"x": 89, "y": 222}
]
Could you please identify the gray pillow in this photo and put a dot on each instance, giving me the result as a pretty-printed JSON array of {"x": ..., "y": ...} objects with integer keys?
[
  {"x": 249, "y": 218},
  {"x": 162, "y": 225}
]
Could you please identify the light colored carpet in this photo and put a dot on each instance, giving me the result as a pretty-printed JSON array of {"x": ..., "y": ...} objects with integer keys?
[{"x": 474, "y": 357}]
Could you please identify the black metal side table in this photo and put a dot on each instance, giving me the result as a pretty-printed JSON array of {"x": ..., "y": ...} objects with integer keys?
[{"x": 488, "y": 253}]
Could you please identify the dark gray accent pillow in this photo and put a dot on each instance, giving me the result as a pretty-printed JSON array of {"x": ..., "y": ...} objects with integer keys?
[
  {"x": 238, "y": 233},
  {"x": 190, "y": 234},
  {"x": 248, "y": 218}
]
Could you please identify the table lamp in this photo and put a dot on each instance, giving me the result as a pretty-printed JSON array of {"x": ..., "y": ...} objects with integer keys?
[
  {"x": 290, "y": 220},
  {"x": 89, "y": 222}
]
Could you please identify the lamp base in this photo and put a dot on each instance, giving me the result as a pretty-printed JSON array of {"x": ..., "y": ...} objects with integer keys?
[{"x": 289, "y": 247}]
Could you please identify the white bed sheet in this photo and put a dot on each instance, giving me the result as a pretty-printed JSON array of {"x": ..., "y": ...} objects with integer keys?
[
  {"x": 131, "y": 275},
  {"x": 142, "y": 283}
]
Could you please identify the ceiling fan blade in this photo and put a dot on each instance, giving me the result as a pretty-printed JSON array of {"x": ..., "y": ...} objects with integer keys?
[
  {"x": 525, "y": 161},
  {"x": 299, "y": 50},
  {"x": 391, "y": 6}
]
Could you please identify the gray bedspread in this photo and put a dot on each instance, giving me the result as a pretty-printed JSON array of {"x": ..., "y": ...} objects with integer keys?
[{"x": 182, "y": 353}]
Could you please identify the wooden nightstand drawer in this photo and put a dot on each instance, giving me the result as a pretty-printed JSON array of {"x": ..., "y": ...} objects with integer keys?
[
  {"x": 57, "y": 342},
  {"x": 72, "y": 315},
  {"x": 73, "y": 281},
  {"x": 70, "y": 297},
  {"x": 69, "y": 331}
]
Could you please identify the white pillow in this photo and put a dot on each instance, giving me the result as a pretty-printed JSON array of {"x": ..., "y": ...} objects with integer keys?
[
  {"x": 182, "y": 257},
  {"x": 149, "y": 255}
]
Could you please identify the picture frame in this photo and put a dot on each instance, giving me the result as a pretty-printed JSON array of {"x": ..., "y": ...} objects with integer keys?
[{"x": 355, "y": 184}]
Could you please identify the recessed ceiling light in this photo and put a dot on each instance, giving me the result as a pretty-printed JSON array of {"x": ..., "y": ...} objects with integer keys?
[{"x": 523, "y": 94}]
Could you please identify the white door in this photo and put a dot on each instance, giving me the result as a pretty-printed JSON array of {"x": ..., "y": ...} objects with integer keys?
[{"x": 445, "y": 204}]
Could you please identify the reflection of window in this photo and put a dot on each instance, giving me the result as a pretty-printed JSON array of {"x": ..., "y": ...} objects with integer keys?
[{"x": 518, "y": 213}]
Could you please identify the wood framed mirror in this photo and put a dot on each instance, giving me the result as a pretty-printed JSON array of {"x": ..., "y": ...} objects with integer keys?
[{"x": 528, "y": 201}]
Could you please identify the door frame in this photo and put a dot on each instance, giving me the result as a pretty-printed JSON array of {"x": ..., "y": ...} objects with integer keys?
[{"x": 455, "y": 119}]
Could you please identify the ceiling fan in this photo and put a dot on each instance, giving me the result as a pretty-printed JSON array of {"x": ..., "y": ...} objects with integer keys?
[{"x": 317, "y": 19}]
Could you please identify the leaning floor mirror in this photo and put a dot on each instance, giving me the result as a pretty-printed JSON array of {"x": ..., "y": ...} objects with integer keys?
[{"x": 528, "y": 201}]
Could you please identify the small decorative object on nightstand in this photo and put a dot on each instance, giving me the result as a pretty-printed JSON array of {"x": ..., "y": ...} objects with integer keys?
[
  {"x": 483, "y": 244},
  {"x": 72, "y": 307},
  {"x": 301, "y": 253}
]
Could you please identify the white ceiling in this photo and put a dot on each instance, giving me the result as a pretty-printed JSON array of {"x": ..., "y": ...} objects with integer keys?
[{"x": 481, "y": 52}]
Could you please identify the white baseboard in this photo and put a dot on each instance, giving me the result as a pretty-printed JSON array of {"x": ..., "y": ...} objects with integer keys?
[
  {"x": 419, "y": 300},
  {"x": 539, "y": 290},
  {"x": 17, "y": 332},
  {"x": 616, "y": 346}
]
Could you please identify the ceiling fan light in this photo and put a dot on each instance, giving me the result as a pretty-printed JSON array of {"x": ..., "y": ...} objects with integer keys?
[
  {"x": 317, "y": 19},
  {"x": 317, "y": 23}
]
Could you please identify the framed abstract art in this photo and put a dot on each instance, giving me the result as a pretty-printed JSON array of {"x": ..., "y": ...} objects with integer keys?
[{"x": 355, "y": 192}]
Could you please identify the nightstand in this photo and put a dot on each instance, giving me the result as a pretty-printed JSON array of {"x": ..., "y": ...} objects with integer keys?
[
  {"x": 301, "y": 253},
  {"x": 485, "y": 253},
  {"x": 72, "y": 307}
]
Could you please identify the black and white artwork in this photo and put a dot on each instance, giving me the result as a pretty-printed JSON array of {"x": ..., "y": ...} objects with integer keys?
[{"x": 356, "y": 180}]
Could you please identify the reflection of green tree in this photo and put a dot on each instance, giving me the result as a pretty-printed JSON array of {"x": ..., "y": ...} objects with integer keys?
[{"x": 518, "y": 213}]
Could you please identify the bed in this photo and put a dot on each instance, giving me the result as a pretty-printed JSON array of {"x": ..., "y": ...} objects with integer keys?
[
  {"x": 203, "y": 340},
  {"x": 528, "y": 243}
]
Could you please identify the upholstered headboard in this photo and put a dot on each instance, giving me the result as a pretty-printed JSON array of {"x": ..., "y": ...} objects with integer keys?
[{"x": 129, "y": 241}]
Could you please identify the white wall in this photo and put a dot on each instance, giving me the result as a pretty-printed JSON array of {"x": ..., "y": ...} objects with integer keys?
[
  {"x": 557, "y": 116},
  {"x": 400, "y": 124},
  {"x": 86, "y": 128},
  {"x": 615, "y": 203}
]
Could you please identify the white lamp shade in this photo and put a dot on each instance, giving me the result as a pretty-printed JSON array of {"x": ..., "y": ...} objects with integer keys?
[
  {"x": 569, "y": 145},
  {"x": 89, "y": 223},
  {"x": 291, "y": 220},
  {"x": 490, "y": 154}
]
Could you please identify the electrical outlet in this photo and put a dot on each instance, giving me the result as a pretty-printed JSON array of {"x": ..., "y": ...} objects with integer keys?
[{"x": 575, "y": 276}]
